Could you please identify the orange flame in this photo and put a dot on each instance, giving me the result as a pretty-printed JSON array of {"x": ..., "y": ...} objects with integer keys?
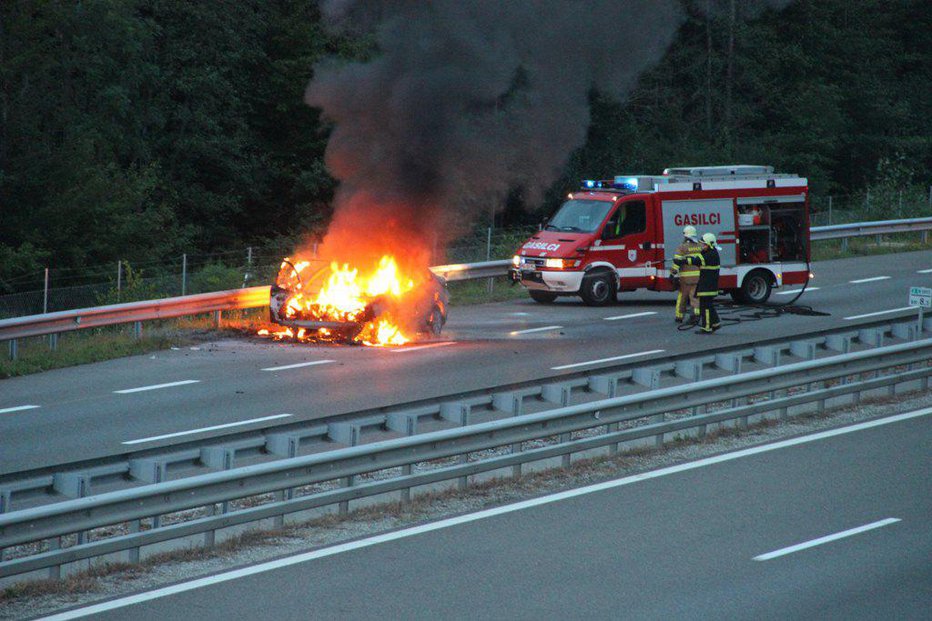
[{"x": 345, "y": 297}]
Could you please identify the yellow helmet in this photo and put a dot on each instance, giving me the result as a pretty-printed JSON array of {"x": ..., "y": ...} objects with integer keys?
[
  {"x": 709, "y": 238},
  {"x": 690, "y": 233}
]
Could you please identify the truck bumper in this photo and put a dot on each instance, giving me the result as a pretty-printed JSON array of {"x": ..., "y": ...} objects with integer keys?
[{"x": 556, "y": 282}]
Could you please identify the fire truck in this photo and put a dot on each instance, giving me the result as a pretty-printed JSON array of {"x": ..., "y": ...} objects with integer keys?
[{"x": 621, "y": 234}]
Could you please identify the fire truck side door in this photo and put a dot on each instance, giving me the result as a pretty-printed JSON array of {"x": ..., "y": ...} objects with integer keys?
[{"x": 632, "y": 237}]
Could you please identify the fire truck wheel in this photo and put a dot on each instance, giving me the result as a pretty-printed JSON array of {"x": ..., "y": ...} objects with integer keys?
[
  {"x": 598, "y": 289},
  {"x": 544, "y": 297},
  {"x": 756, "y": 287}
]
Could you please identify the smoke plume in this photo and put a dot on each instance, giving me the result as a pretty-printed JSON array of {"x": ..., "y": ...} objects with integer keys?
[{"x": 466, "y": 100}]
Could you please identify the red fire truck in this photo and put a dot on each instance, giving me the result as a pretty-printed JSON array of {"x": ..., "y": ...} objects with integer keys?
[{"x": 620, "y": 234}]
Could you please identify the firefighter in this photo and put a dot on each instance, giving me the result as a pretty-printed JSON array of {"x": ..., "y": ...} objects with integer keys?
[
  {"x": 686, "y": 277},
  {"x": 708, "y": 262}
]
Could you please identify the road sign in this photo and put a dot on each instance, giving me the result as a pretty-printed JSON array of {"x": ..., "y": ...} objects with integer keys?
[{"x": 920, "y": 296}]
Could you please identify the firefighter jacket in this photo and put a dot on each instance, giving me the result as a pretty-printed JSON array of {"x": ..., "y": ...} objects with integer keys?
[
  {"x": 684, "y": 250},
  {"x": 709, "y": 264}
]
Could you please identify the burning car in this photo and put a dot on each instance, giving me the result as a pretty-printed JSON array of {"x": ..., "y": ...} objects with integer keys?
[{"x": 317, "y": 300}]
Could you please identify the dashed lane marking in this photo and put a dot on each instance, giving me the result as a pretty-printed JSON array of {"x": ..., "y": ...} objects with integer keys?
[
  {"x": 18, "y": 408},
  {"x": 892, "y": 310},
  {"x": 632, "y": 315},
  {"x": 401, "y": 350},
  {"x": 202, "y": 429},
  {"x": 863, "y": 280},
  {"x": 929, "y": 271},
  {"x": 545, "y": 328},
  {"x": 297, "y": 365},
  {"x": 155, "y": 387},
  {"x": 582, "y": 364},
  {"x": 827, "y": 539},
  {"x": 795, "y": 291}
]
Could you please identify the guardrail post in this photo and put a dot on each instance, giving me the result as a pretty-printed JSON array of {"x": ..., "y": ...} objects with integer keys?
[
  {"x": 407, "y": 425},
  {"x": 6, "y": 505},
  {"x": 137, "y": 329},
  {"x": 53, "y": 342},
  {"x": 218, "y": 319},
  {"x": 284, "y": 445},
  {"x": 14, "y": 349},
  {"x": 148, "y": 471},
  {"x": 73, "y": 485},
  {"x": 510, "y": 402},
  {"x": 458, "y": 413},
  {"x": 219, "y": 458},
  {"x": 560, "y": 394}
]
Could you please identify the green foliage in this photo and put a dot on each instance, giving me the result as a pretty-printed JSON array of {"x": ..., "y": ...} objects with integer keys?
[
  {"x": 215, "y": 277},
  {"x": 132, "y": 288},
  {"x": 144, "y": 129}
]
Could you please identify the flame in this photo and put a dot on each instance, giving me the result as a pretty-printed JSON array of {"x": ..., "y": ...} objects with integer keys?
[{"x": 346, "y": 297}]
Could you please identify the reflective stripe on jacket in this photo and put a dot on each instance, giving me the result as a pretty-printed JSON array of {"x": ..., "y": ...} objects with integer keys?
[
  {"x": 684, "y": 251},
  {"x": 709, "y": 263}
]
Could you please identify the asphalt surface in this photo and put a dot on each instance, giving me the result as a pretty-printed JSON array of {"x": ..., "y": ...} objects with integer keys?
[
  {"x": 99, "y": 410},
  {"x": 834, "y": 525}
]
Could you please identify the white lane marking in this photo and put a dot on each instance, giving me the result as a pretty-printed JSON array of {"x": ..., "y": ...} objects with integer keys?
[
  {"x": 828, "y": 538},
  {"x": 862, "y": 280},
  {"x": 517, "y": 332},
  {"x": 929, "y": 271},
  {"x": 519, "y": 314},
  {"x": 582, "y": 364},
  {"x": 417, "y": 347},
  {"x": 465, "y": 519},
  {"x": 300, "y": 364},
  {"x": 155, "y": 387},
  {"x": 616, "y": 317},
  {"x": 892, "y": 310},
  {"x": 19, "y": 408},
  {"x": 214, "y": 427},
  {"x": 795, "y": 291}
]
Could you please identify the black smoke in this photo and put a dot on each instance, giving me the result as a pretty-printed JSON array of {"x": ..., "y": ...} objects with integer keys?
[{"x": 468, "y": 99}]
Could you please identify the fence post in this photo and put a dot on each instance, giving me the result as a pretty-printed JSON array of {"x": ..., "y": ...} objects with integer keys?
[
  {"x": 248, "y": 273},
  {"x": 119, "y": 278},
  {"x": 45, "y": 293},
  {"x": 829, "y": 210},
  {"x": 184, "y": 273},
  {"x": 900, "y": 210},
  {"x": 488, "y": 255}
]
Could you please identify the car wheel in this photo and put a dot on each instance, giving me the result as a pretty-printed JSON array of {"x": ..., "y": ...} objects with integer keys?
[
  {"x": 598, "y": 289},
  {"x": 544, "y": 297},
  {"x": 435, "y": 321},
  {"x": 756, "y": 287}
]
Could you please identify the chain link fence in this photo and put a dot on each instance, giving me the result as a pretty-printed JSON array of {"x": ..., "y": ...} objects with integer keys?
[{"x": 67, "y": 288}]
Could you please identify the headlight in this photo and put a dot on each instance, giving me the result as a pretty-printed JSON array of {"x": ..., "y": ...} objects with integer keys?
[{"x": 516, "y": 260}]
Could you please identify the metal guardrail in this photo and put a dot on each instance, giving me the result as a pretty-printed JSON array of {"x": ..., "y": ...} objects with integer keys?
[
  {"x": 860, "y": 229},
  {"x": 254, "y": 297},
  {"x": 602, "y": 423}
]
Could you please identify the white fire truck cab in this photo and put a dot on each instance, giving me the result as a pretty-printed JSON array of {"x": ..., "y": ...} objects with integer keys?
[{"x": 620, "y": 234}]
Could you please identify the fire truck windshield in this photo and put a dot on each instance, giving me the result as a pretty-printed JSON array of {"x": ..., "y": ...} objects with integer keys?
[{"x": 579, "y": 216}]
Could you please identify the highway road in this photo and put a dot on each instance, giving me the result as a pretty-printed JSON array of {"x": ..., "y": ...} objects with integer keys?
[
  {"x": 158, "y": 399},
  {"x": 832, "y": 525}
]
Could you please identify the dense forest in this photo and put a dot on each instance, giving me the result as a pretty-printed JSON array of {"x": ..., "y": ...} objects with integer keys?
[{"x": 142, "y": 129}]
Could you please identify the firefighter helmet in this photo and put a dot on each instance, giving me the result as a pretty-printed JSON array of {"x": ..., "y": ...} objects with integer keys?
[
  {"x": 709, "y": 238},
  {"x": 690, "y": 233}
]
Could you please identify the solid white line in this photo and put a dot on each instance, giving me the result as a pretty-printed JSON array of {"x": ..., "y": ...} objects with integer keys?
[
  {"x": 924, "y": 271},
  {"x": 471, "y": 517},
  {"x": 155, "y": 387},
  {"x": 892, "y": 310},
  {"x": 582, "y": 364},
  {"x": 516, "y": 333},
  {"x": 616, "y": 317},
  {"x": 187, "y": 433},
  {"x": 401, "y": 350},
  {"x": 793, "y": 291},
  {"x": 817, "y": 542},
  {"x": 300, "y": 364},
  {"x": 19, "y": 408},
  {"x": 857, "y": 282}
]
